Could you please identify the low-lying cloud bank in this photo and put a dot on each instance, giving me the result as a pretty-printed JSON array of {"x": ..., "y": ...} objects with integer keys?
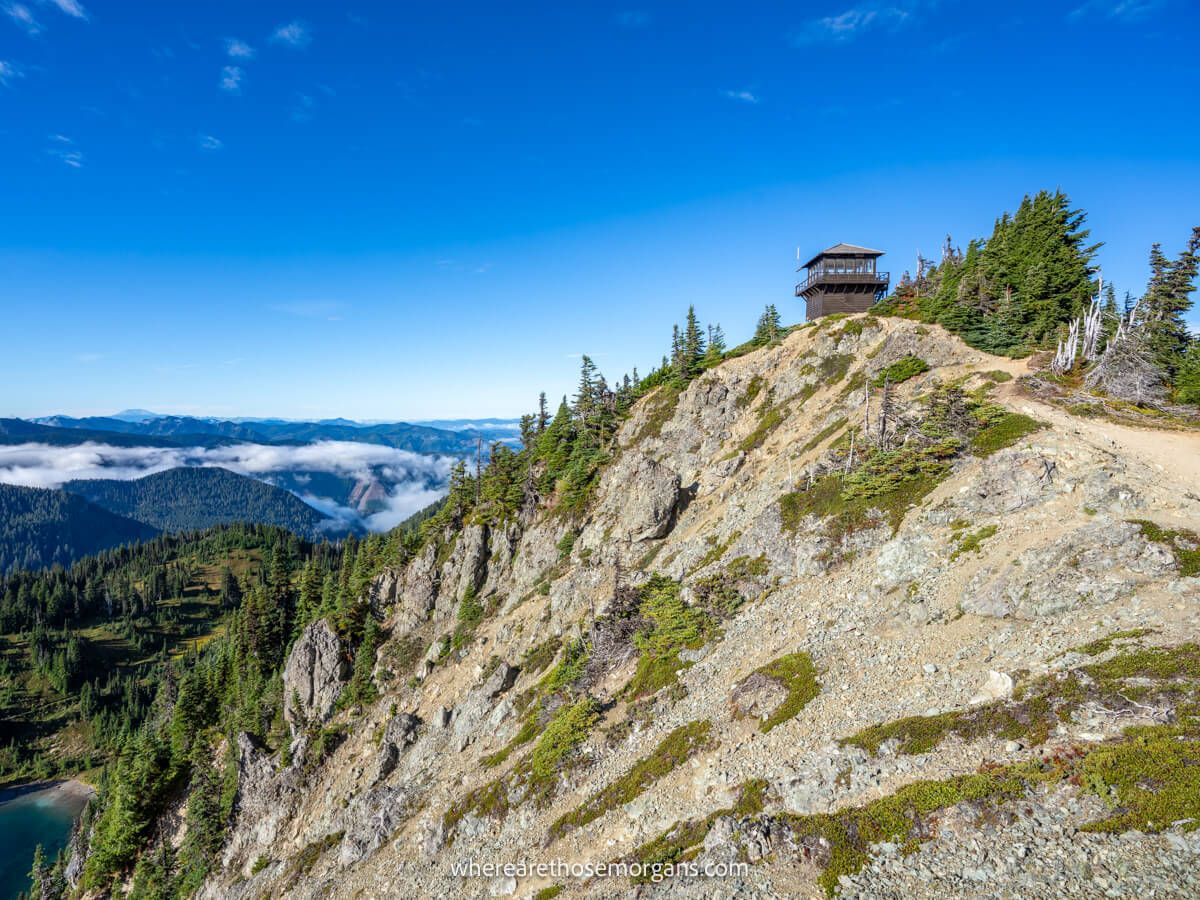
[
  {"x": 402, "y": 501},
  {"x": 413, "y": 480}
]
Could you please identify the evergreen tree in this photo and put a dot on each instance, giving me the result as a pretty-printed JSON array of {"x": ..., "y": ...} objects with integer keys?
[
  {"x": 38, "y": 872},
  {"x": 528, "y": 430},
  {"x": 678, "y": 365},
  {"x": 1166, "y": 302},
  {"x": 192, "y": 711},
  {"x": 1187, "y": 378},
  {"x": 589, "y": 395},
  {"x": 693, "y": 344},
  {"x": 153, "y": 876},
  {"x": 308, "y": 601},
  {"x": 1111, "y": 315},
  {"x": 1012, "y": 293},
  {"x": 361, "y": 688},
  {"x": 769, "y": 327},
  {"x": 205, "y": 822},
  {"x": 716, "y": 347}
]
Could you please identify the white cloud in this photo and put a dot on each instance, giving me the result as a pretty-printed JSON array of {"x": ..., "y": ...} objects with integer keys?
[
  {"x": 238, "y": 49},
  {"x": 210, "y": 143},
  {"x": 23, "y": 16},
  {"x": 231, "y": 79},
  {"x": 415, "y": 479},
  {"x": 404, "y": 500},
  {"x": 293, "y": 34},
  {"x": 8, "y": 73},
  {"x": 851, "y": 23},
  {"x": 69, "y": 7},
  {"x": 741, "y": 96},
  {"x": 63, "y": 149}
]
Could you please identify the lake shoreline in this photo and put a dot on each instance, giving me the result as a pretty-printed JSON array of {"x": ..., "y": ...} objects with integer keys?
[
  {"x": 66, "y": 789},
  {"x": 37, "y": 813}
]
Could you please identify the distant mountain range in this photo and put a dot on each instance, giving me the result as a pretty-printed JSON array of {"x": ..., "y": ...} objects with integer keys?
[
  {"x": 20, "y": 431},
  {"x": 457, "y": 438},
  {"x": 40, "y": 528}
]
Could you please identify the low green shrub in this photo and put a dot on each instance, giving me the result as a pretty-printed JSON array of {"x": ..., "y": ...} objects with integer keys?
[{"x": 900, "y": 371}]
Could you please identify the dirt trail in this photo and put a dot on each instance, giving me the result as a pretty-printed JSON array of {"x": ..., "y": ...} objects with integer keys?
[{"x": 1175, "y": 453}]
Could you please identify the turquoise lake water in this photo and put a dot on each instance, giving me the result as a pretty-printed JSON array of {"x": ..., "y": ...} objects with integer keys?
[{"x": 26, "y": 820}]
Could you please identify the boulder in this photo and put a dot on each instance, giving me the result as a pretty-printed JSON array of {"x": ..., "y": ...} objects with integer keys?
[
  {"x": 732, "y": 840},
  {"x": 466, "y": 568},
  {"x": 501, "y": 551},
  {"x": 419, "y": 593},
  {"x": 757, "y": 695},
  {"x": 384, "y": 589},
  {"x": 997, "y": 686},
  {"x": 1012, "y": 480},
  {"x": 266, "y": 799},
  {"x": 905, "y": 559},
  {"x": 642, "y": 498},
  {"x": 315, "y": 673},
  {"x": 500, "y": 680}
]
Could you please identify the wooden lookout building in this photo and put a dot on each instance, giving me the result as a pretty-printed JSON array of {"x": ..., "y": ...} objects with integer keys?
[{"x": 842, "y": 279}]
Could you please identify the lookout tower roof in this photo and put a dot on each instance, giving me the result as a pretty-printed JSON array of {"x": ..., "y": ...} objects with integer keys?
[{"x": 844, "y": 250}]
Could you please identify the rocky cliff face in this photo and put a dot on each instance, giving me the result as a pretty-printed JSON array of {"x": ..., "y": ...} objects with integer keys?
[{"x": 672, "y": 676}]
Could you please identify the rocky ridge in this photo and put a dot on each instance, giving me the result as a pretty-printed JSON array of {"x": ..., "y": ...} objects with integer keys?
[{"x": 1006, "y": 564}]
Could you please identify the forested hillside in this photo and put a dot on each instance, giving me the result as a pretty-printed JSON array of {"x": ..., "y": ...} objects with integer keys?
[
  {"x": 120, "y": 659},
  {"x": 187, "y": 499},
  {"x": 44, "y": 528}
]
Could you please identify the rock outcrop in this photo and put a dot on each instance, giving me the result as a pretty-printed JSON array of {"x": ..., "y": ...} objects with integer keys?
[
  {"x": 643, "y": 508},
  {"x": 1093, "y": 565},
  {"x": 313, "y": 677},
  {"x": 266, "y": 801},
  {"x": 398, "y": 735}
]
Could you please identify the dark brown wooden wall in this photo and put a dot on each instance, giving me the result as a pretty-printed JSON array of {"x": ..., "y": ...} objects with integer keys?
[{"x": 824, "y": 303}]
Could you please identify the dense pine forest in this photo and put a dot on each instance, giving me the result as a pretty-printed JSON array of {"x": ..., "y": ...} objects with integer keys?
[
  {"x": 1015, "y": 293},
  {"x": 40, "y": 528},
  {"x": 189, "y": 499},
  {"x": 143, "y": 663}
]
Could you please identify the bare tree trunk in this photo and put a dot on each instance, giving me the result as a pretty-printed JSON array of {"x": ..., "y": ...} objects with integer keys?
[
  {"x": 885, "y": 409},
  {"x": 478, "y": 468}
]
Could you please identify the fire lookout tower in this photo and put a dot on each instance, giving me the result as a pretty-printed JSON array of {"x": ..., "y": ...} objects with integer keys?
[{"x": 842, "y": 279}]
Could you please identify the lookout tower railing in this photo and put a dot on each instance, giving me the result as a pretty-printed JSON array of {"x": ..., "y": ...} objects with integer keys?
[{"x": 817, "y": 277}]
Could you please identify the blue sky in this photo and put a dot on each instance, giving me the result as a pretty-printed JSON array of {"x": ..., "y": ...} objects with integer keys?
[{"x": 429, "y": 210}]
